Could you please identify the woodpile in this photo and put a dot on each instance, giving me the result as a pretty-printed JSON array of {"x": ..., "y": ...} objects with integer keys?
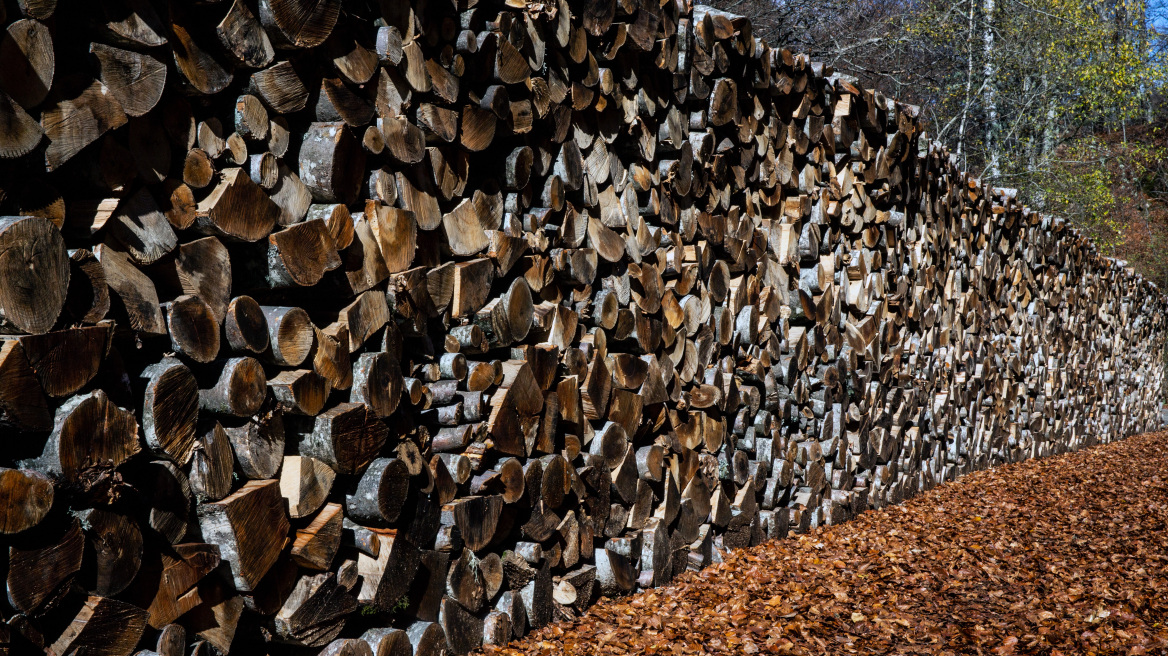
[{"x": 396, "y": 328}]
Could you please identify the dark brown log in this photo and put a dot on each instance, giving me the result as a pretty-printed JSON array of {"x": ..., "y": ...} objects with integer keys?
[
  {"x": 202, "y": 68},
  {"x": 331, "y": 359},
  {"x": 115, "y": 543},
  {"x": 20, "y": 133},
  {"x": 297, "y": 256},
  {"x": 250, "y": 527},
  {"x": 304, "y": 484},
  {"x": 396, "y": 234},
  {"x": 464, "y": 631},
  {"x": 27, "y": 497},
  {"x": 141, "y": 229},
  {"x": 237, "y": 208},
  {"x": 299, "y": 23},
  {"x": 241, "y": 33},
  {"x": 102, "y": 626},
  {"x": 386, "y": 578},
  {"x": 27, "y": 50},
  {"x": 87, "y": 300},
  {"x": 169, "y": 590},
  {"x": 31, "y": 297},
  {"x": 172, "y": 640},
  {"x": 194, "y": 332},
  {"x": 169, "y": 499},
  {"x": 316, "y": 545},
  {"x": 88, "y": 431},
  {"x": 347, "y": 437},
  {"x": 477, "y": 519},
  {"x": 246, "y": 326},
  {"x": 385, "y": 641},
  {"x": 79, "y": 115},
  {"x": 240, "y": 389},
  {"x": 37, "y": 572},
  {"x": 404, "y": 141},
  {"x": 133, "y": 23},
  {"x": 302, "y": 392},
  {"x": 211, "y": 463},
  {"x": 64, "y": 361},
  {"x": 281, "y": 88},
  {"x": 170, "y": 410},
  {"x": 478, "y": 128},
  {"x": 198, "y": 168},
  {"x": 416, "y": 193},
  {"x": 377, "y": 382},
  {"x": 290, "y": 335},
  {"x": 23, "y": 405},
  {"x": 135, "y": 79},
  {"x": 335, "y": 101}
]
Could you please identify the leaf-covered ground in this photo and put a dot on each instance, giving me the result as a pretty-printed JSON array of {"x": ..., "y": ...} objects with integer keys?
[{"x": 1066, "y": 555}]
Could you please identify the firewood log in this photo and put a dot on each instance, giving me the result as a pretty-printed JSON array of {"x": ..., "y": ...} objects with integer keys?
[
  {"x": 241, "y": 33},
  {"x": 88, "y": 431},
  {"x": 104, "y": 624},
  {"x": 427, "y": 638},
  {"x": 117, "y": 545},
  {"x": 203, "y": 269},
  {"x": 31, "y": 298},
  {"x": 236, "y": 208},
  {"x": 290, "y": 335},
  {"x": 136, "y": 80},
  {"x": 317, "y": 544},
  {"x": 388, "y": 641},
  {"x": 380, "y": 493},
  {"x": 388, "y": 576},
  {"x": 239, "y": 390},
  {"x": 27, "y": 495},
  {"x": 250, "y": 527},
  {"x": 211, "y": 463},
  {"x": 301, "y": 391},
  {"x": 298, "y": 24},
  {"x": 36, "y": 571},
  {"x": 305, "y": 483},
  {"x": 170, "y": 410},
  {"x": 314, "y": 613},
  {"x": 332, "y": 162}
]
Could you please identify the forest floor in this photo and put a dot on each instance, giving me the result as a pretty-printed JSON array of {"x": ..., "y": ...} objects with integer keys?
[{"x": 1064, "y": 555}]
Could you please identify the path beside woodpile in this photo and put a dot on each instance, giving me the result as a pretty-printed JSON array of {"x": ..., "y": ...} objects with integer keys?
[{"x": 1065, "y": 555}]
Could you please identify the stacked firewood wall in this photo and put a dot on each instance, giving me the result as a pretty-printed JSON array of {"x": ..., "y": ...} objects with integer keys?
[{"x": 400, "y": 327}]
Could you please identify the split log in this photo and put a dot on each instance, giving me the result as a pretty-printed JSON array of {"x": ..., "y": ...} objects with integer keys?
[
  {"x": 304, "y": 484},
  {"x": 136, "y": 79},
  {"x": 259, "y": 444},
  {"x": 211, "y": 463},
  {"x": 27, "y": 497},
  {"x": 89, "y": 431},
  {"x": 317, "y": 544},
  {"x": 31, "y": 297},
  {"x": 250, "y": 527},
  {"x": 102, "y": 625},
  {"x": 347, "y": 437},
  {"x": 170, "y": 410},
  {"x": 37, "y": 572}
]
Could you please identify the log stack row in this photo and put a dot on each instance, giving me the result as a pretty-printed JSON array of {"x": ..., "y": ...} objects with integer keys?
[{"x": 407, "y": 327}]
